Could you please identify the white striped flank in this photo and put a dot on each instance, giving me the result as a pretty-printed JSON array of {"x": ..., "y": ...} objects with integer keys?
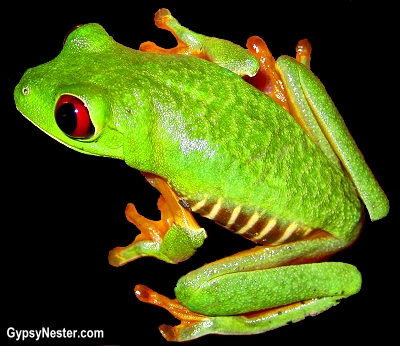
[
  {"x": 199, "y": 204},
  {"x": 234, "y": 216},
  {"x": 287, "y": 233},
  {"x": 214, "y": 211},
  {"x": 268, "y": 227},
  {"x": 252, "y": 221}
]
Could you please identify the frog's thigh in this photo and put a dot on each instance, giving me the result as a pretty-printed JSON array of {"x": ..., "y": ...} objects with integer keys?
[{"x": 242, "y": 292}]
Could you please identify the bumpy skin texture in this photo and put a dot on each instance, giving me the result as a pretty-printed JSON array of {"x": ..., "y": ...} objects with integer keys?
[
  {"x": 220, "y": 297},
  {"x": 199, "y": 126}
]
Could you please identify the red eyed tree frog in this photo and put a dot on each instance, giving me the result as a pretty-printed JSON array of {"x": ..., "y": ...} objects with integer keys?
[{"x": 253, "y": 144}]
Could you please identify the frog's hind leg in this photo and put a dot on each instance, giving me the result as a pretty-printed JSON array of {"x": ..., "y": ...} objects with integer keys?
[
  {"x": 194, "y": 325},
  {"x": 258, "y": 289}
]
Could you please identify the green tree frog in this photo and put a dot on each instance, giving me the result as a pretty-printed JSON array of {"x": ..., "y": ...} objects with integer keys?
[{"x": 252, "y": 143}]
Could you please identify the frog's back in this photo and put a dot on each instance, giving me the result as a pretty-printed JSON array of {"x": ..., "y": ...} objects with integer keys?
[
  {"x": 231, "y": 152},
  {"x": 238, "y": 158}
]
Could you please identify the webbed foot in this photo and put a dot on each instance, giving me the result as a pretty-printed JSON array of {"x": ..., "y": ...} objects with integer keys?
[{"x": 172, "y": 239}]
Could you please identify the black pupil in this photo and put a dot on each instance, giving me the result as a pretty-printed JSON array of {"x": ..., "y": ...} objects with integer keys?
[{"x": 66, "y": 118}]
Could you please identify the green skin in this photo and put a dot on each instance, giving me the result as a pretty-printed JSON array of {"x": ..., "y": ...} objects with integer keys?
[{"x": 213, "y": 136}]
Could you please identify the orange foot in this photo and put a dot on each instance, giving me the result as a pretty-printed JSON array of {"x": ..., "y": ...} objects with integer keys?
[
  {"x": 173, "y": 239},
  {"x": 188, "y": 318}
]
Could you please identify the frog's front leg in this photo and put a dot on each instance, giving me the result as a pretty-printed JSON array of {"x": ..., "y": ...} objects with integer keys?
[
  {"x": 221, "y": 52},
  {"x": 172, "y": 239},
  {"x": 258, "y": 290}
]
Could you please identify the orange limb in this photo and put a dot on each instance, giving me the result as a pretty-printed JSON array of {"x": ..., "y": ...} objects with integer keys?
[
  {"x": 180, "y": 215},
  {"x": 303, "y": 52},
  {"x": 267, "y": 79},
  {"x": 188, "y": 318},
  {"x": 149, "y": 241},
  {"x": 150, "y": 229},
  {"x": 163, "y": 19}
]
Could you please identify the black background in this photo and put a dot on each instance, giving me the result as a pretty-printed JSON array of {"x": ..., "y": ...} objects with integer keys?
[{"x": 63, "y": 211}]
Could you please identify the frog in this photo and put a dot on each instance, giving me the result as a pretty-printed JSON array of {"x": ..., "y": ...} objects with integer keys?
[{"x": 254, "y": 144}]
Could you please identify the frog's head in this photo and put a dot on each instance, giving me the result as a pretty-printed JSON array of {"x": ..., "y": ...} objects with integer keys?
[{"x": 69, "y": 97}]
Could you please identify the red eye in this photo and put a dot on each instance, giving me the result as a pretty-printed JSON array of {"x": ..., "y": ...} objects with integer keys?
[{"x": 72, "y": 117}]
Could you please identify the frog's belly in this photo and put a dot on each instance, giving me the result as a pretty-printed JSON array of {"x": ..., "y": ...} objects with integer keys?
[{"x": 260, "y": 228}]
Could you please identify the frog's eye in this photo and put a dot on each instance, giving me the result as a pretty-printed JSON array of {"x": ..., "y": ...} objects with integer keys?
[{"x": 72, "y": 117}]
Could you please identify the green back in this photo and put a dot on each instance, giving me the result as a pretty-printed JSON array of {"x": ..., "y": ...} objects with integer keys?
[{"x": 198, "y": 125}]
